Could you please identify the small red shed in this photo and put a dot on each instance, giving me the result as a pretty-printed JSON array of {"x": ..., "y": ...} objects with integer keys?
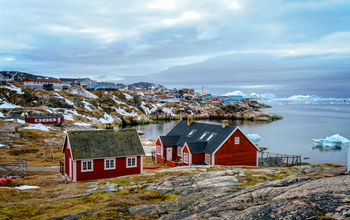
[
  {"x": 44, "y": 118},
  {"x": 99, "y": 154},
  {"x": 205, "y": 143}
]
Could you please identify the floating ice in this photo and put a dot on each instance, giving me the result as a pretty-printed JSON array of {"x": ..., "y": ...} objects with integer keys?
[
  {"x": 254, "y": 137},
  {"x": 334, "y": 140},
  {"x": 235, "y": 93}
]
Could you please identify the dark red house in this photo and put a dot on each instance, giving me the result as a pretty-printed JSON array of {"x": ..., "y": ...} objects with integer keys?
[
  {"x": 191, "y": 143},
  {"x": 44, "y": 118},
  {"x": 99, "y": 154}
]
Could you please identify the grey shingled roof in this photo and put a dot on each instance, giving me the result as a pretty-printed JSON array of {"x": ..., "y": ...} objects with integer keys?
[
  {"x": 197, "y": 147},
  {"x": 182, "y": 130},
  {"x": 88, "y": 144},
  {"x": 169, "y": 140}
]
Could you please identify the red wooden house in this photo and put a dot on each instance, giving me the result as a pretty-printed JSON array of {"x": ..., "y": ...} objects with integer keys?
[
  {"x": 99, "y": 154},
  {"x": 44, "y": 118},
  {"x": 191, "y": 143}
]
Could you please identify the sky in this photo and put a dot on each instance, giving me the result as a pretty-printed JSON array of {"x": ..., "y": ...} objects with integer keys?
[{"x": 275, "y": 46}]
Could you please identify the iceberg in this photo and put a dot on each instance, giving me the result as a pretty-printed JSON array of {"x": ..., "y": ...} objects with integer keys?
[
  {"x": 332, "y": 141},
  {"x": 255, "y": 138},
  {"x": 235, "y": 93}
]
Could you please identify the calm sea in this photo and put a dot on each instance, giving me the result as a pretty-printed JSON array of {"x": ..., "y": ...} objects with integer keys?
[{"x": 294, "y": 133}]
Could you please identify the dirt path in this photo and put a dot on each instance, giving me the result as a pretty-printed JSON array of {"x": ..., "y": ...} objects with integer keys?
[{"x": 44, "y": 169}]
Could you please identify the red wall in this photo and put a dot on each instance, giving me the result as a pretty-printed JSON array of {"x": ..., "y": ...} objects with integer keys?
[
  {"x": 197, "y": 158},
  {"x": 185, "y": 150},
  {"x": 158, "y": 142},
  {"x": 100, "y": 173},
  {"x": 32, "y": 120},
  {"x": 160, "y": 160},
  {"x": 230, "y": 153},
  {"x": 67, "y": 155}
]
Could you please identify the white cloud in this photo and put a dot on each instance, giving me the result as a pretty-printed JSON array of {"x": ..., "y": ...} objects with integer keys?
[
  {"x": 162, "y": 4},
  {"x": 8, "y": 58},
  {"x": 188, "y": 16}
]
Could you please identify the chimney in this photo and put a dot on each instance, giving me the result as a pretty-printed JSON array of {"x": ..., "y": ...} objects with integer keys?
[
  {"x": 224, "y": 123},
  {"x": 189, "y": 121}
]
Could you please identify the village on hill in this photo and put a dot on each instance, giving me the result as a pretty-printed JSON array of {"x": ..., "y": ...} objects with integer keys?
[{"x": 66, "y": 154}]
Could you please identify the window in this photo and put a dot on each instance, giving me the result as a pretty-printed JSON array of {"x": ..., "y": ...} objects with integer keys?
[
  {"x": 109, "y": 164},
  {"x": 158, "y": 150},
  {"x": 211, "y": 136},
  {"x": 46, "y": 119},
  {"x": 52, "y": 119},
  {"x": 179, "y": 149},
  {"x": 203, "y": 135},
  {"x": 131, "y": 162},
  {"x": 191, "y": 133},
  {"x": 86, "y": 166},
  {"x": 236, "y": 140},
  {"x": 37, "y": 120},
  {"x": 185, "y": 157}
]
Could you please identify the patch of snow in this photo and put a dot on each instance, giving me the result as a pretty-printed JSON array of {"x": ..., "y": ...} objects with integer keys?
[
  {"x": 2, "y": 115},
  {"x": 82, "y": 92},
  {"x": 69, "y": 102},
  {"x": 118, "y": 102},
  {"x": 13, "y": 88},
  {"x": 27, "y": 187},
  {"x": 168, "y": 111},
  {"x": 127, "y": 96},
  {"x": 334, "y": 140},
  {"x": 4, "y": 145},
  {"x": 255, "y": 138},
  {"x": 125, "y": 113},
  {"x": 68, "y": 117},
  {"x": 21, "y": 121},
  {"x": 37, "y": 127},
  {"x": 107, "y": 119},
  {"x": 82, "y": 124},
  {"x": 87, "y": 106},
  {"x": 8, "y": 105}
]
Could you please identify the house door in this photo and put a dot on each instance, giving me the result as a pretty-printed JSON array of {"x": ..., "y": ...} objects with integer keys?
[{"x": 169, "y": 153}]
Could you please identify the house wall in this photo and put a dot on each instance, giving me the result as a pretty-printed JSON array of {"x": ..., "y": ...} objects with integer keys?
[
  {"x": 198, "y": 158},
  {"x": 185, "y": 150},
  {"x": 100, "y": 173},
  {"x": 32, "y": 120},
  {"x": 67, "y": 155},
  {"x": 230, "y": 153}
]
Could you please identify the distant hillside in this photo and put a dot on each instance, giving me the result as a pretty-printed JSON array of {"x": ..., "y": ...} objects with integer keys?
[
  {"x": 145, "y": 85},
  {"x": 20, "y": 76}
]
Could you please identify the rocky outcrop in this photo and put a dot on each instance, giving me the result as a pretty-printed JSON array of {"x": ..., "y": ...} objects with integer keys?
[{"x": 300, "y": 196}]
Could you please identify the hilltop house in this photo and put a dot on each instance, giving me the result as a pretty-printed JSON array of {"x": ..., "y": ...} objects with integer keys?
[
  {"x": 191, "y": 143},
  {"x": 44, "y": 118},
  {"x": 47, "y": 84},
  {"x": 99, "y": 154},
  {"x": 78, "y": 81}
]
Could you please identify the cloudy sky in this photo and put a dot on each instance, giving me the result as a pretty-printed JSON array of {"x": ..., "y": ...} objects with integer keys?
[{"x": 282, "y": 47}]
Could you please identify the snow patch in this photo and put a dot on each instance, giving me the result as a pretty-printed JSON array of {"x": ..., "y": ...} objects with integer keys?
[
  {"x": 87, "y": 106},
  {"x": 107, "y": 119},
  {"x": 27, "y": 187},
  {"x": 37, "y": 127},
  {"x": 8, "y": 105},
  {"x": 2, "y": 115},
  {"x": 127, "y": 96},
  {"x": 82, "y": 124},
  {"x": 13, "y": 88},
  {"x": 82, "y": 92}
]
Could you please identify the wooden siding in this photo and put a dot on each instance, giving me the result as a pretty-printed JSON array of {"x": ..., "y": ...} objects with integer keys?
[
  {"x": 67, "y": 155},
  {"x": 158, "y": 143},
  {"x": 244, "y": 153},
  {"x": 100, "y": 173},
  {"x": 185, "y": 150},
  {"x": 197, "y": 158},
  {"x": 160, "y": 160}
]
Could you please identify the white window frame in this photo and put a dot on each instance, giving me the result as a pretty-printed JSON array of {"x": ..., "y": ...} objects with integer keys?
[
  {"x": 179, "y": 151},
  {"x": 127, "y": 162},
  {"x": 52, "y": 119},
  {"x": 158, "y": 149},
  {"x": 236, "y": 140},
  {"x": 109, "y": 160},
  {"x": 37, "y": 120},
  {"x": 87, "y": 170},
  {"x": 185, "y": 157},
  {"x": 46, "y": 120}
]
